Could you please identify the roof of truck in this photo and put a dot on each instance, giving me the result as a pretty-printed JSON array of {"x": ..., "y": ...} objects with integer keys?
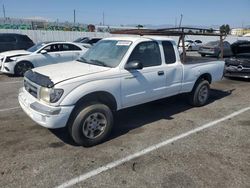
[{"x": 135, "y": 38}]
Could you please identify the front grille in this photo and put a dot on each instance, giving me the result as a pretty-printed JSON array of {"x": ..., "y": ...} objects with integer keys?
[
  {"x": 237, "y": 68},
  {"x": 31, "y": 88}
]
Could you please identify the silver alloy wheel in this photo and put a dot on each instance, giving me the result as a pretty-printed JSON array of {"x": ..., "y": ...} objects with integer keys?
[
  {"x": 94, "y": 125},
  {"x": 203, "y": 94}
]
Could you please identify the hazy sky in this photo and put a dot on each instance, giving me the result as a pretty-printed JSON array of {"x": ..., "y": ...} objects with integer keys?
[{"x": 155, "y": 12}]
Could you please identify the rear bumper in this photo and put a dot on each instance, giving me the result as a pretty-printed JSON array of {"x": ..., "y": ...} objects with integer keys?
[
  {"x": 206, "y": 53},
  {"x": 237, "y": 75},
  {"x": 44, "y": 115}
]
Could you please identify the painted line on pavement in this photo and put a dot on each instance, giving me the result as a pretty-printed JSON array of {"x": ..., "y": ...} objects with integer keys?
[
  {"x": 118, "y": 162},
  {"x": 14, "y": 82},
  {"x": 8, "y": 109}
]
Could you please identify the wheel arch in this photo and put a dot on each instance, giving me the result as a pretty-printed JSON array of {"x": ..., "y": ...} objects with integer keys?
[
  {"x": 99, "y": 96},
  {"x": 103, "y": 97},
  {"x": 205, "y": 76}
]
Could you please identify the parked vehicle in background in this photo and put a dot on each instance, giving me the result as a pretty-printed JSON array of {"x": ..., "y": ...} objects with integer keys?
[
  {"x": 19, "y": 61},
  {"x": 191, "y": 45},
  {"x": 213, "y": 49},
  {"x": 114, "y": 74},
  {"x": 239, "y": 64},
  {"x": 12, "y": 41},
  {"x": 87, "y": 40}
]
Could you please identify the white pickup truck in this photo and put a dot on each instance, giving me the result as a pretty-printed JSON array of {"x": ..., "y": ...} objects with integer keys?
[{"x": 114, "y": 74}]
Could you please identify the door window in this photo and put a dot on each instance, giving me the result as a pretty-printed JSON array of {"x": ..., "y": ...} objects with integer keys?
[
  {"x": 69, "y": 47},
  {"x": 24, "y": 38},
  {"x": 52, "y": 48},
  {"x": 147, "y": 53}
]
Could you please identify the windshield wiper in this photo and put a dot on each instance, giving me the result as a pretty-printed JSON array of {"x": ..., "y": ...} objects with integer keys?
[{"x": 97, "y": 62}]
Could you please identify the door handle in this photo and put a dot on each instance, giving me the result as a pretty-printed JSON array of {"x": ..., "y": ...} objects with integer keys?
[{"x": 160, "y": 73}]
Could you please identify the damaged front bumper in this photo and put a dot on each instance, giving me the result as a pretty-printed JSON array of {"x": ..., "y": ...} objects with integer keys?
[{"x": 44, "y": 115}]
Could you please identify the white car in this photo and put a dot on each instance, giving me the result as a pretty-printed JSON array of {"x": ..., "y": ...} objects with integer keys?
[
  {"x": 19, "y": 61},
  {"x": 114, "y": 74},
  {"x": 191, "y": 45}
]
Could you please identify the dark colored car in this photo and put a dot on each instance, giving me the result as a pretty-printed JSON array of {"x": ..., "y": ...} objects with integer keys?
[
  {"x": 12, "y": 41},
  {"x": 213, "y": 49},
  {"x": 87, "y": 40},
  {"x": 239, "y": 64}
]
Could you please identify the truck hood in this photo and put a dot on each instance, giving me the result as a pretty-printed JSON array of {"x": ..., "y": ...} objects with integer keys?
[
  {"x": 65, "y": 71},
  {"x": 15, "y": 53}
]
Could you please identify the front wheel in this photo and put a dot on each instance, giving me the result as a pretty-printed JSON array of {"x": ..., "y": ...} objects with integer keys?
[
  {"x": 200, "y": 93},
  {"x": 91, "y": 124},
  {"x": 22, "y": 67}
]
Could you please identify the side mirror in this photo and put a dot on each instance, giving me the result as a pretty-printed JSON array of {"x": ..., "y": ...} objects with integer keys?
[
  {"x": 43, "y": 52},
  {"x": 133, "y": 65}
]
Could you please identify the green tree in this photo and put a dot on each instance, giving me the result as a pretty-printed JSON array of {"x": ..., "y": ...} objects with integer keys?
[
  {"x": 210, "y": 30},
  {"x": 139, "y": 26},
  {"x": 225, "y": 29}
]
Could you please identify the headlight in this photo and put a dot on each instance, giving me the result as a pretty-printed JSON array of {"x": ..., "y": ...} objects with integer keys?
[
  {"x": 9, "y": 59},
  {"x": 50, "y": 95}
]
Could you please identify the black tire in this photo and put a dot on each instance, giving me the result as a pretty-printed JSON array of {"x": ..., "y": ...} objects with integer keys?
[
  {"x": 203, "y": 55},
  {"x": 200, "y": 93},
  {"x": 82, "y": 123},
  {"x": 22, "y": 67}
]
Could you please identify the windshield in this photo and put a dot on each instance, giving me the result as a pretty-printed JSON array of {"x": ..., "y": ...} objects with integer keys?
[
  {"x": 36, "y": 47},
  {"x": 108, "y": 53}
]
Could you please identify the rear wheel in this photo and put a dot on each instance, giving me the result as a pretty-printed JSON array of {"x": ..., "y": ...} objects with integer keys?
[
  {"x": 200, "y": 93},
  {"x": 22, "y": 67},
  {"x": 203, "y": 55},
  {"x": 91, "y": 124}
]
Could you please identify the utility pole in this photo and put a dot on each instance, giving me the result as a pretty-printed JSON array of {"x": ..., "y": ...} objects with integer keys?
[
  {"x": 74, "y": 17},
  {"x": 175, "y": 25},
  {"x": 181, "y": 20},
  {"x": 103, "y": 18},
  {"x": 4, "y": 12}
]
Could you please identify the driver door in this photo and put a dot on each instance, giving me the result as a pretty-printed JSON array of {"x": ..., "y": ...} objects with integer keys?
[{"x": 147, "y": 84}]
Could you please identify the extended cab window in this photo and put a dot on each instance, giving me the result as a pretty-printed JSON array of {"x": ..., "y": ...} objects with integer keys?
[
  {"x": 147, "y": 53},
  {"x": 169, "y": 52}
]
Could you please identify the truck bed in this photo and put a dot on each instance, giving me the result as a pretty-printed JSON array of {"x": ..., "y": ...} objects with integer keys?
[{"x": 194, "y": 58}]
